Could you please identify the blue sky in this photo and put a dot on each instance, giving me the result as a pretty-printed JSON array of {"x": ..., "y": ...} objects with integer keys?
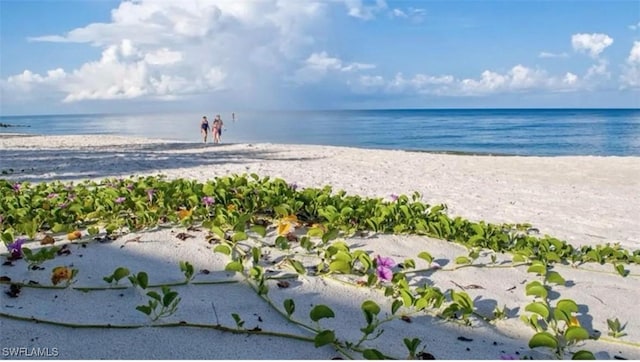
[{"x": 159, "y": 55}]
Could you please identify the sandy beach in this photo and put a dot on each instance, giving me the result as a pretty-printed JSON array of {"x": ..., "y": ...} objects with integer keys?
[{"x": 582, "y": 200}]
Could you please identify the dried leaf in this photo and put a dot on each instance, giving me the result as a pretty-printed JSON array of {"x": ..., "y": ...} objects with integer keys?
[
  {"x": 406, "y": 319},
  {"x": 47, "y": 240},
  {"x": 184, "y": 236},
  {"x": 283, "y": 284},
  {"x": 74, "y": 235},
  {"x": 64, "y": 250},
  {"x": 5, "y": 279},
  {"x": 292, "y": 237}
]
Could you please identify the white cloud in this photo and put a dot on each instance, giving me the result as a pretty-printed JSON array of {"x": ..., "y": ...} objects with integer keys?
[
  {"x": 165, "y": 50},
  {"x": 317, "y": 65},
  {"x": 358, "y": 9},
  {"x": 593, "y": 44},
  {"x": 630, "y": 76},
  {"x": 416, "y": 15},
  {"x": 599, "y": 69},
  {"x": 545, "y": 54},
  {"x": 635, "y": 26},
  {"x": 518, "y": 79}
]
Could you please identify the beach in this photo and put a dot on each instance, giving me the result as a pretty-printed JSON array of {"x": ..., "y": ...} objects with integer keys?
[{"x": 583, "y": 200}]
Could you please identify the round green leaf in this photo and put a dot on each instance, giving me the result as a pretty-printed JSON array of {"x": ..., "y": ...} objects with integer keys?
[
  {"x": 575, "y": 333},
  {"x": 538, "y": 269},
  {"x": 340, "y": 266},
  {"x": 567, "y": 305},
  {"x": 321, "y": 311},
  {"x": 543, "y": 339},
  {"x": 537, "y": 290},
  {"x": 583, "y": 355},
  {"x": 222, "y": 248},
  {"x": 323, "y": 338},
  {"x": 235, "y": 266},
  {"x": 556, "y": 278},
  {"x": 538, "y": 308},
  {"x": 426, "y": 256},
  {"x": 371, "y": 306},
  {"x": 372, "y": 354}
]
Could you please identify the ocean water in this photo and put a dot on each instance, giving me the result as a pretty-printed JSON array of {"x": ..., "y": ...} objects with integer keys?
[{"x": 534, "y": 132}]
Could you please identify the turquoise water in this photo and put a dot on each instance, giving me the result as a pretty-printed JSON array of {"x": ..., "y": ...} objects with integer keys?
[{"x": 543, "y": 132}]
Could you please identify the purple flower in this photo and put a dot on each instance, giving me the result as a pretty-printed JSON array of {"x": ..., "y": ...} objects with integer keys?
[
  {"x": 120, "y": 200},
  {"x": 207, "y": 200},
  {"x": 150, "y": 193},
  {"x": 394, "y": 197},
  {"x": 15, "y": 248},
  {"x": 52, "y": 195},
  {"x": 62, "y": 205},
  {"x": 383, "y": 268},
  {"x": 71, "y": 197},
  {"x": 16, "y": 187},
  {"x": 293, "y": 186},
  {"x": 130, "y": 187}
]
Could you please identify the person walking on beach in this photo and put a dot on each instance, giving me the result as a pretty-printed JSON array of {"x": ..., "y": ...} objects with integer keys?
[
  {"x": 204, "y": 128},
  {"x": 217, "y": 129}
]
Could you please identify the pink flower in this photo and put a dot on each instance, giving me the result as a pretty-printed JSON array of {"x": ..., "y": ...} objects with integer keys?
[
  {"x": 383, "y": 268},
  {"x": 17, "y": 187},
  {"x": 120, "y": 200},
  {"x": 207, "y": 200},
  {"x": 150, "y": 193},
  {"x": 394, "y": 197},
  {"x": 52, "y": 195}
]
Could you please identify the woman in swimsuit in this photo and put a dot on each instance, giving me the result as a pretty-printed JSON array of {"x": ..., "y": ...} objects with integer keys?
[
  {"x": 217, "y": 129},
  {"x": 204, "y": 128}
]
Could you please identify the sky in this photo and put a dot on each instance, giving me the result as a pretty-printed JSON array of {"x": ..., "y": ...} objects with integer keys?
[{"x": 107, "y": 56}]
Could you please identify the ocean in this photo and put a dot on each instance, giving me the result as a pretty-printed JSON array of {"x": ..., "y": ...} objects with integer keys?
[{"x": 531, "y": 132}]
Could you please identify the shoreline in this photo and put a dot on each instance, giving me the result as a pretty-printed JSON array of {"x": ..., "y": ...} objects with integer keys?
[
  {"x": 584, "y": 200},
  {"x": 495, "y": 189}
]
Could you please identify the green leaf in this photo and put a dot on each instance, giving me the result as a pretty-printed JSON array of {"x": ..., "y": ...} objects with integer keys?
[
  {"x": 395, "y": 306},
  {"x": 372, "y": 354},
  {"x": 321, "y": 311},
  {"x": 239, "y": 236},
  {"x": 235, "y": 266},
  {"x": 255, "y": 254},
  {"x": 216, "y": 230},
  {"x": 143, "y": 280},
  {"x": 93, "y": 230},
  {"x": 621, "y": 270},
  {"x": 536, "y": 289},
  {"x": 583, "y": 355},
  {"x": 567, "y": 305},
  {"x": 289, "y": 306},
  {"x": 120, "y": 273},
  {"x": 154, "y": 295},
  {"x": 575, "y": 333},
  {"x": 407, "y": 298},
  {"x": 259, "y": 229},
  {"x": 426, "y": 256},
  {"x": 543, "y": 339},
  {"x": 539, "y": 269},
  {"x": 556, "y": 278},
  {"x": 222, "y": 248},
  {"x": 144, "y": 309},
  {"x": 299, "y": 268},
  {"x": 371, "y": 307},
  {"x": 168, "y": 298},
  {"x": 538, "y": 308},
  {"x": 281, "y": 210},
  {"x": 324, "y": 338},
  {"x": 340, "y": 266},
  {"x": 463, "y": 260}
]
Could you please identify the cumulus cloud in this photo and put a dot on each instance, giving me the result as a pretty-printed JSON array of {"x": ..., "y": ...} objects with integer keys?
[
  {"x": 365, "y": 10},
  {"x": 318, "y": 65},
  {"x": 518, "y": 79},
  {"x": 592, "y": 44},
  {"x": 630, "y": 76},
  {"x": 165, "y": 50}
]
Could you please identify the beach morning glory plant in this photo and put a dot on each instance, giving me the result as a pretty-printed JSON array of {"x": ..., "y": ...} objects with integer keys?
[{"x": 15, "y": 248}]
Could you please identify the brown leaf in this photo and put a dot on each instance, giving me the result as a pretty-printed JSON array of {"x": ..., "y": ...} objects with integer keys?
[
  {"x": 184, "y": 236},
  {"x": 14, "y": 290},
  {"x": 406, "y": 319},
  {"x": 47, "y": 240},
  {"x": 193, "y": 228},
  {"x": 292, "y": 237},
  {"x": 283, "y": 284},
  {"x": 5, "y": 279}
]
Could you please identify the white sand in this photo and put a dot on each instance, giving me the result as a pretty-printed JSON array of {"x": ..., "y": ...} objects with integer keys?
[{"x": 583, "y": 200}]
